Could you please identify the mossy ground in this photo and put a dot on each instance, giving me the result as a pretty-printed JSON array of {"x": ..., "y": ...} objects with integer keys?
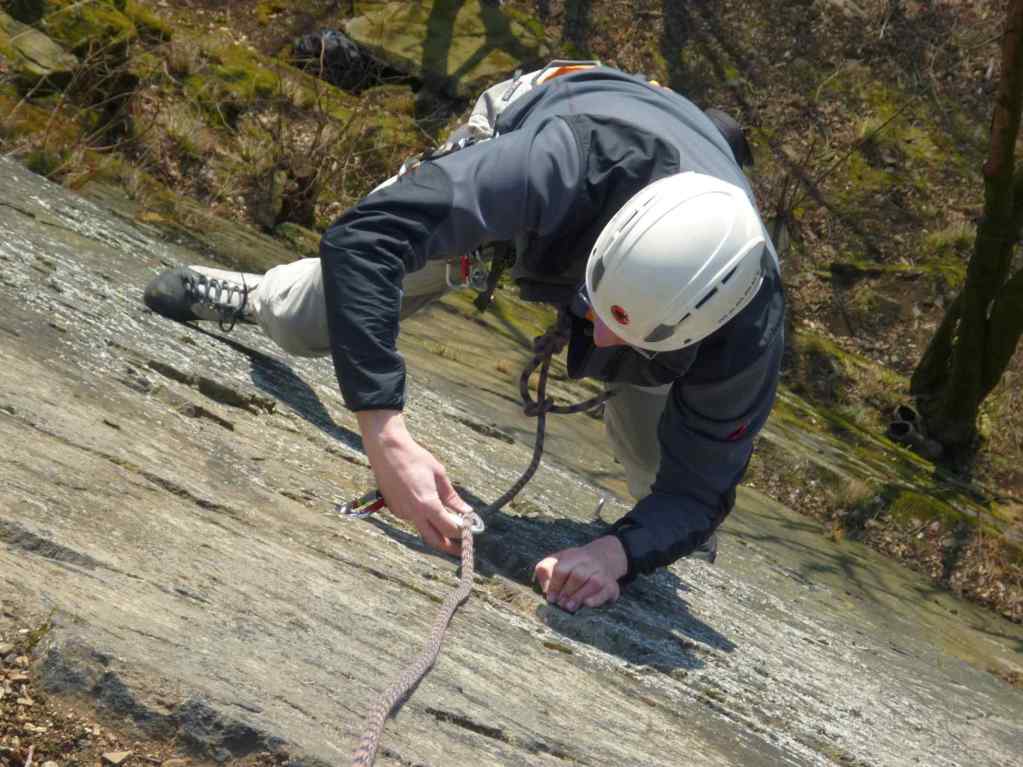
[
  {"x": 205, "y": 114},
  {"x": 835, "y": 464},
  {"x": 868, "y": 123}
]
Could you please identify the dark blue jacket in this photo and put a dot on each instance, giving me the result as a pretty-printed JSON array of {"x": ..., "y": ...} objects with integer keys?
[{"x": 565, "y": 158}]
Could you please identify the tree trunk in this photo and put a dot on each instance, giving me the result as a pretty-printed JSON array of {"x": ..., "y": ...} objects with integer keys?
[{"x": 981, "y": 329}]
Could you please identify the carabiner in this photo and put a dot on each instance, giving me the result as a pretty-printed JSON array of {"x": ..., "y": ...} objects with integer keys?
[{"x": 362, "y": 507}]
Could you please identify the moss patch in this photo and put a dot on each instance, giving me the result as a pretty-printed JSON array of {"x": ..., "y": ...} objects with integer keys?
[
  {"x": 947, "y": 252},
  {"x": 268, "y": 9},
  {"x": 45, "y": 162},
  {"x": 508, "y": 315},
  {"x": 818, "y": 367},
  {"x": 25, "y": 122},
  {"x": 150, "y": 27},
  {"x": 85, "y": 27},
  {"x": 234, "y": 81},
  {"x": 911, "y": 506},
  {"x": 304, "y": 241}
]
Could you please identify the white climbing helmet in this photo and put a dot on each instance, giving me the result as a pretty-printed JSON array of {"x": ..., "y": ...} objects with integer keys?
[{"x": 680, "y": 259}]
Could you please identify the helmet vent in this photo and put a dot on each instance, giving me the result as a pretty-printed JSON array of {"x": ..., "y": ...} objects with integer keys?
[
  {"x": 664, "y": 332},
  {"x": 598, "y": 273},
  {"x": 660, "y": 333},
  {"x": 627, "y": 221},
  {"x": 706, "y": 298},
  {"x": 730, "y": 274}
]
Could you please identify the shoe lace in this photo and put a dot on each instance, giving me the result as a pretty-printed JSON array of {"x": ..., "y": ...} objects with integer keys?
[{"x": 218, "y": 294}]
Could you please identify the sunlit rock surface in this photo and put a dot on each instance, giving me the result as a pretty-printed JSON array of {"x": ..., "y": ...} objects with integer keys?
[
  {"x": 458, "y": 46},
  {"x": 166, "y": 491}
]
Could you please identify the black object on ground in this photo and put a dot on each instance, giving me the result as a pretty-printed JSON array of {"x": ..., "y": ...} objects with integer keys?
[
  {"x": 336, "y": 58},
  {"x": 907, "y": 428}
]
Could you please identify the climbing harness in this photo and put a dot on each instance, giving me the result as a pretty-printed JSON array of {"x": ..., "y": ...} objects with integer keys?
[{"x": 545, "y": 347}]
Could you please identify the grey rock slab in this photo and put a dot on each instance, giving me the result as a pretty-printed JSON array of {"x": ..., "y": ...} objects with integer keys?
[{"x": 182, "y": 535}]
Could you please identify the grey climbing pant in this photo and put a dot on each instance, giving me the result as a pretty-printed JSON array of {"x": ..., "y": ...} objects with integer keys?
[{"x": 291, "y": 308}]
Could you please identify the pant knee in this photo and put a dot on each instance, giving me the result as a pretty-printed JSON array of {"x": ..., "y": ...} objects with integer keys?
[
  {"x": 631, "y": 419},
  {"x": 293, "y": 310}
]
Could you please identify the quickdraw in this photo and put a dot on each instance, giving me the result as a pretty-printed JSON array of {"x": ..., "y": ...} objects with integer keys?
[
  {"x": 373, "y": 501},
  {"x": 361, "y": 507},
  {"x": 472, "y": 272}
]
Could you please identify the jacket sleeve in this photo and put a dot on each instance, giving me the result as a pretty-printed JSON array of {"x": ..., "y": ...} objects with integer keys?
[
  {"x": 706, "y": 436},
  {"x": 524, "y": 182}
]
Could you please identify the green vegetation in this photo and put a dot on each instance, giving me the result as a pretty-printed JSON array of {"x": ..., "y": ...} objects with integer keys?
[
  {"x": 911, "y": 506},
  {"x": 86, "y": 27},
  {"x": 268, "y": 9},
  {"x": 507, "y": 315},
  {"x": 195, "y": 115},
  {"x": 150, "y": 27}
]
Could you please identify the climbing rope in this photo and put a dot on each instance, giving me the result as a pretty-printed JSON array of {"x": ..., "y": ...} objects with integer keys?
[
  {"x": 365, "y": 754},
  {"x": 545, "y": 348}
]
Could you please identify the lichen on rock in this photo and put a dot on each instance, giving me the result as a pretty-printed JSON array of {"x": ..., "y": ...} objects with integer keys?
[{"x": 34, "y": 56}]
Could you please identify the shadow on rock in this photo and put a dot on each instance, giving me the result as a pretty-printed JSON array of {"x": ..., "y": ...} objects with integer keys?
[
  {"x": 277, "y": 379},
  {"x": 651, "y": 625}
]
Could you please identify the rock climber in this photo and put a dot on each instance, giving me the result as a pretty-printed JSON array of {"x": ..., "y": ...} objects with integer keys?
[{"x": 628, "y": 207}]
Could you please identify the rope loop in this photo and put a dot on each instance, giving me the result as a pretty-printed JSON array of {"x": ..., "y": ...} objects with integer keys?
[
  {"x": 545, "y": 347},
  {"x": 533, "y": 409}
]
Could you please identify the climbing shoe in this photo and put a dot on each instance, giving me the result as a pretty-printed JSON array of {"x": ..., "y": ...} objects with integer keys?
[{"x": 190, "y": 293}]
